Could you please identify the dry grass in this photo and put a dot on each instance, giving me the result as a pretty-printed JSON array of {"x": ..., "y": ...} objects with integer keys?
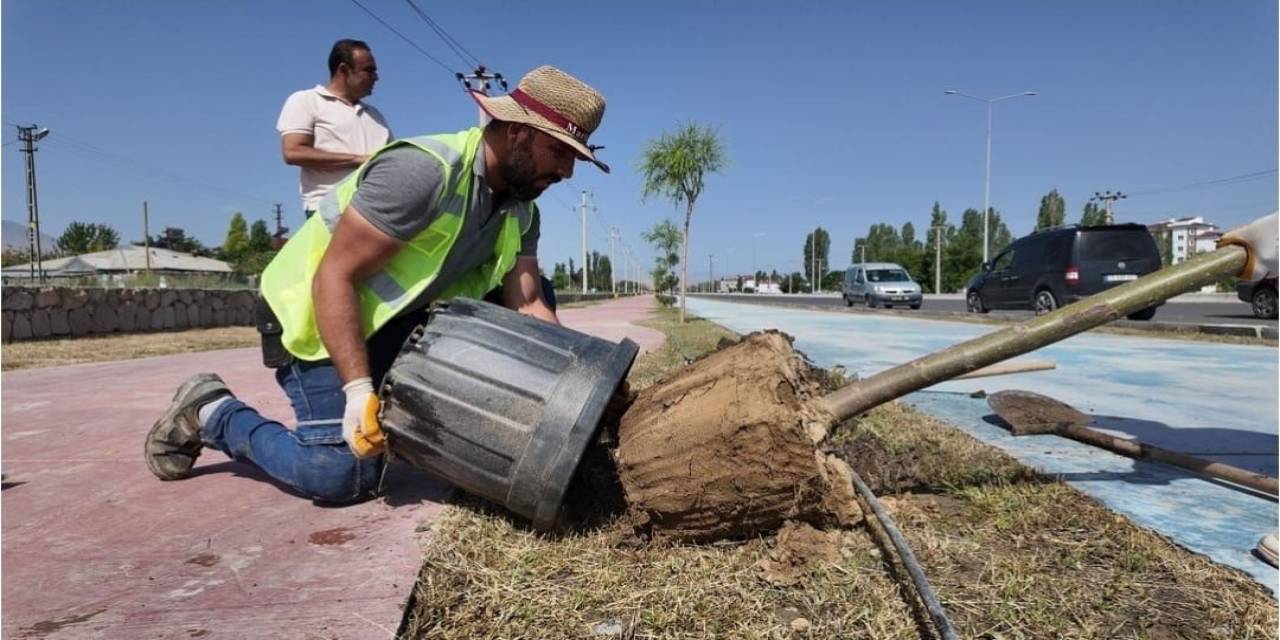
[
  {"x": 56, "y": 353},
  {"x": 1010, "y": 553},
  {"x": 1013, "y": 554}
]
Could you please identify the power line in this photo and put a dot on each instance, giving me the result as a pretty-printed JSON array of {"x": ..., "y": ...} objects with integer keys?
[
  {"x": 403, "y": 37},
  {"x": 116, "y": 161},
  {"x": 449, "y": 40},
  {"x": 1206, "y": 183}
]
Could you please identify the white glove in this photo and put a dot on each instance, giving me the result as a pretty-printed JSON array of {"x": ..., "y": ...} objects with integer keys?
[
  {"x": 360, "y": 419},
  {"x": 1259, "y": 238}
]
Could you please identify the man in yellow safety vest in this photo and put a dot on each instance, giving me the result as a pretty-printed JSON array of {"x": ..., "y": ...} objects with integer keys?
[{"x": 423, "y": 219}]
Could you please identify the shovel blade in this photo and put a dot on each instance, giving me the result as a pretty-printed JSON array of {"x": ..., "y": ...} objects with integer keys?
[{"x": 1030, "y": 413}]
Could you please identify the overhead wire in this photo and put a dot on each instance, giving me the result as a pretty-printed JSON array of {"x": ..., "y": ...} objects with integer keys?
[
  {"x": 78, "y": 148},
  {"x": 1206, "y": 183},
  {"x": 405, "y": 38},
  {"x": 449, "y": 40}
]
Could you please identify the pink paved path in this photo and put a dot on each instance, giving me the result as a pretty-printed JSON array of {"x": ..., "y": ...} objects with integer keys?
[
  {"x": 95, "y": 547},
  {"x": 611, "y": 320}
]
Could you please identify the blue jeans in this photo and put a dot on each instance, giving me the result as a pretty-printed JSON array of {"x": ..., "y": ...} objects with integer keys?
[{"x": 313, "y": 459}]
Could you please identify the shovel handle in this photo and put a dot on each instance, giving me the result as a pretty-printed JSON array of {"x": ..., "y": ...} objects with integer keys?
[{"x": 1113, "y": 304}]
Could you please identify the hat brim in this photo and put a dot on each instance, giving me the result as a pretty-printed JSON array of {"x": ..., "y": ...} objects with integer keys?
[{"x": 508, "y": 110}]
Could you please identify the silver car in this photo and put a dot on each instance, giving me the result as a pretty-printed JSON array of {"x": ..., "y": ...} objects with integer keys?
[{"x": 881, "y": 283}]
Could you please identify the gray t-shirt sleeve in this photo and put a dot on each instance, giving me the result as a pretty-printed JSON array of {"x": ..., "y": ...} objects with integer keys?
[
  {"x": 400, "y": 192},
  {"x": 529, "y": 241}
]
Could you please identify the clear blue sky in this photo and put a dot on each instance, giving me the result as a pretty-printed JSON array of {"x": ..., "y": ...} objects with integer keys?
[{"x": 833, "y": 112}]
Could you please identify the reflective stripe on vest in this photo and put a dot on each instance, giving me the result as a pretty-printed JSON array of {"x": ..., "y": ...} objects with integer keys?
[{"x": 287, "y": 281}]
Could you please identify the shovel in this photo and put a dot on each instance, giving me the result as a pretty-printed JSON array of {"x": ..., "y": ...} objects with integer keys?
[{"x": 1031, "y": 413}]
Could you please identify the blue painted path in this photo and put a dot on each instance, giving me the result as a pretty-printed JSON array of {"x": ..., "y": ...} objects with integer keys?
[{"x": 1210, "y": 400}]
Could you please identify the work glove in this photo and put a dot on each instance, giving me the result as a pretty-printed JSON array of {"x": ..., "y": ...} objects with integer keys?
[
  {"x": 1259, "y": 238},
  {"x": 360, "y": 419}
]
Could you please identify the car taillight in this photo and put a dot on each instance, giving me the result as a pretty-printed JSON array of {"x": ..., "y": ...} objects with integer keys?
[{"x": 1072, "y": 275}]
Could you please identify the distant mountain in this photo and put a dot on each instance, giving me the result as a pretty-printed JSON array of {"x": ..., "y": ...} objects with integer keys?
[{"x": 14, "y": 235}]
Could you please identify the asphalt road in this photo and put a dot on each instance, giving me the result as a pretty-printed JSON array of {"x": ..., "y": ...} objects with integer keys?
[{"x": 1236, "y": 312}]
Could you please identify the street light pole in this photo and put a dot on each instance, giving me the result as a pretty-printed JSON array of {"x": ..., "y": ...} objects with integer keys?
[{"x": 986, "y": 188}]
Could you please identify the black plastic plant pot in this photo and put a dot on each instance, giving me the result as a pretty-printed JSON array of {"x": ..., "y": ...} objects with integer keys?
[{"x": 500, "y": 404}]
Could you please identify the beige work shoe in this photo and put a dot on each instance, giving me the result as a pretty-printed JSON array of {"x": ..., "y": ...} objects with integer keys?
[
  {"x": 173, "y": 444},
  {"x": 1269, "y": 547}
]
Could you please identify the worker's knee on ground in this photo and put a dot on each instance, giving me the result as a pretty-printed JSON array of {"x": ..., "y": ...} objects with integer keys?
[{"x": 342, "y": 478}]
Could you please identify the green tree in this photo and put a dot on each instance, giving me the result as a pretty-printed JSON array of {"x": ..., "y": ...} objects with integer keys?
[
  {"x": 928, "y": 258},
  {"x": 675, "y": 167},
  {"x": 821, "y": 240},
  {"x": 236, "y": 245},
  {"x": 560, "y": 278},
  {"x": 1093, "y": 215},
  {"x": 962, "y": 257},
  {"x": 1052, "y": 211},
  {"x": 792, "y": 282},
  {"x": 260, "y": 239},
  {"x": 82, "y": 237},
  {"x": 175, "y": 239},
  {"x": 666, "y": 238},
  {"x": 911, "y": 253}
]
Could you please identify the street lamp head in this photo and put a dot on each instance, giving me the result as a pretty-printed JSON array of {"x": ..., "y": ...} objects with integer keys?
[
  {"x": 1030, "y": 93},
  {"x": 40, "y": 133},
  {"x": 950, "y": 92}
]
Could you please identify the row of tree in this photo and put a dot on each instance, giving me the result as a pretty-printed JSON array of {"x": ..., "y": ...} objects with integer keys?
[
  {"x": 247, "y": 248},
  {"x": 565, "y": 277}
]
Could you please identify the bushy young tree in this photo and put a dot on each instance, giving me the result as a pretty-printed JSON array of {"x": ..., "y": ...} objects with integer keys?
[
  {"x": 82, "y": 237},
  {"x": 1052, "y": 211},
  {"x": 1093, "y": 215},
  {"x": 820, "y": 240},
  {"x": 260, "y": 239},
  {"x": 666, "y": 239},
  {"x": 236, "y": 245}
]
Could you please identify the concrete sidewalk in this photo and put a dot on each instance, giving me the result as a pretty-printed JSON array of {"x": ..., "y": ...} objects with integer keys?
[{"x": 95, "y": 547}]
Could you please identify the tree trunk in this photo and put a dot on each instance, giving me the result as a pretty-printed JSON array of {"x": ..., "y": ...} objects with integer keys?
[{"x": 684, "y": 259}]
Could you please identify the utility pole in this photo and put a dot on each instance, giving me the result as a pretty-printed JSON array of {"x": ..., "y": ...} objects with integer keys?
[
  {"x": 280, "y": 228},
  {"x": 813, "y": 261},
  {"x": 146, "y": 236},
  {"x": 478, "y": 80},
  {"x": 29, "y": 136},
  {"x": 585, "y": 204},
  {"x": 862, "y": 250},
  {"x": 937, "y": 265},
  {"x": 613, "y": 280},
  {"x": 711, "y": 267},
  {"x": 1108, "y": 199}
]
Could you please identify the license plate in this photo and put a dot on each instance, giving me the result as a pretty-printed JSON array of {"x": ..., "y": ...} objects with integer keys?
[
  {"x": 899, "y": 297},
  {"x": 1120, "y": 277}
]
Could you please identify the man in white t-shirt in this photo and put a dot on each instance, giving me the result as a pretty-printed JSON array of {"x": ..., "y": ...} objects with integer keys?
[{"x": 327, "y": 130}]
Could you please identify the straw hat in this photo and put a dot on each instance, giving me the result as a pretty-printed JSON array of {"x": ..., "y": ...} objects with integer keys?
[{"x": 555, "y": 103}]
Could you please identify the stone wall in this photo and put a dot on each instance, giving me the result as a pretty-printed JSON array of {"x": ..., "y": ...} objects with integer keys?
[{"x": 35, "y": 313}]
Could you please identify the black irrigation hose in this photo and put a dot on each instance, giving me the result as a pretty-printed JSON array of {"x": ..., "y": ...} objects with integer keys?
[{"x": 930, "y": 599}]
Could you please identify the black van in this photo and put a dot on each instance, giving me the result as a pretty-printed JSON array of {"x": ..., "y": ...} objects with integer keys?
[{"x": 1061, "y": 265}]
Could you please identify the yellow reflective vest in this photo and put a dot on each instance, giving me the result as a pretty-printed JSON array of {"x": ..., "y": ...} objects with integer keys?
[{"x": 286, "y": 282}]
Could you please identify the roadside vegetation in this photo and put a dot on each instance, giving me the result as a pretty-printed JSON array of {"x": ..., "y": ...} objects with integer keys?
[
  {"x": 1012, "y": 554},
  {"x": 67, "y": 351}
]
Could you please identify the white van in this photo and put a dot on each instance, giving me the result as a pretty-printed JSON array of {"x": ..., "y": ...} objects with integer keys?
[{"x": 881, "y": 283}]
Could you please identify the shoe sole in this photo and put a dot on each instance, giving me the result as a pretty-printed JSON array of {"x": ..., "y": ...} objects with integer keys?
[{"x": 175, "y": 407}]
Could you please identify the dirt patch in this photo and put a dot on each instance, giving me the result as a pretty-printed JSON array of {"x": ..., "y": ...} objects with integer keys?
[
  {"x": 799, "y": 550},
  {"x": 727, "y": 447},
  {"x": 332, "y": 537}
]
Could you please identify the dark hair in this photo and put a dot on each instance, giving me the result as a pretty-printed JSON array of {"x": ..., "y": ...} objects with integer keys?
[{"x": 343, "y": 52}]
